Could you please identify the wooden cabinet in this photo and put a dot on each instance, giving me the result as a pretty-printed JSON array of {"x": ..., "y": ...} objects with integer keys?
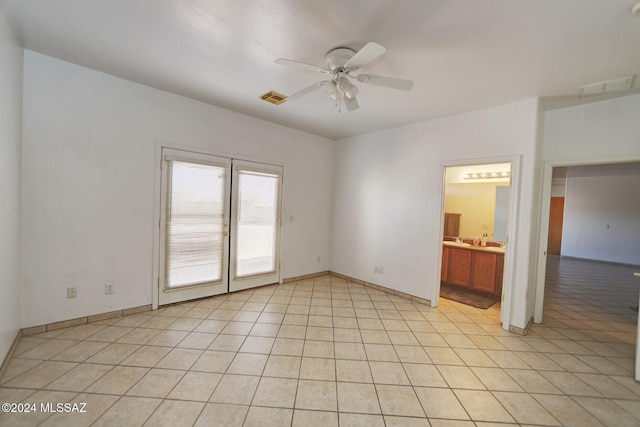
[
  {"x": 499, "y": 275},
  {"x": 473, "y": 268},
  {"x": 444, "y": 272},
  {"x": 484, "y": 271},
  {"x": 459, "y": 267}
]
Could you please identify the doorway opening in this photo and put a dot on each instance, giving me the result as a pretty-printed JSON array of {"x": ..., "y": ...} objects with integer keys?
[
  {"x": 598, "y": 252},
  {"x": 219, "y": 225},
  {"x": 599, "y": 215},
  {"x": 476, "y": 210}
]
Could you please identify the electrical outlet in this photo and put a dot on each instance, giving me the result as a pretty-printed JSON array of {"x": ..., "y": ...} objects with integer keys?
[
  {"x": 72, "y": 293},
  {"x": 378, "y": 270},
  {"x": 108, "y": 288}
]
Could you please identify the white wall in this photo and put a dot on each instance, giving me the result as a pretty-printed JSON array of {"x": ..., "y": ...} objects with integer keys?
[
  {"x": 10, "y": 174},
  {"x": 88, "y": 179},
  {"x": 599, "y": 132},
  {"x": 388, "y": 190},
  {"x": 592, "y": 203},
  {"x": 559, "y": 187},
  {"x": 596, "y": 133}
]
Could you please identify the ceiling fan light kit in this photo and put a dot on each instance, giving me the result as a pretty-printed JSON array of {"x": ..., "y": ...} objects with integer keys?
[{"x": 341, "y": 62}]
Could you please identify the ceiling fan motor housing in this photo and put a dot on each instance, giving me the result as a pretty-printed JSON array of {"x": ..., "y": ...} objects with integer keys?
[{"x": 336, "y": 58}]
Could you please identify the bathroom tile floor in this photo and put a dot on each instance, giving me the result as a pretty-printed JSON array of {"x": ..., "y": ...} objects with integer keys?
[{"x": 328, "y": 352}]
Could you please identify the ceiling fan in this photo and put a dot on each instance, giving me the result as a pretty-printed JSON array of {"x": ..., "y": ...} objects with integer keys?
[{"x": 341, "y": 63}]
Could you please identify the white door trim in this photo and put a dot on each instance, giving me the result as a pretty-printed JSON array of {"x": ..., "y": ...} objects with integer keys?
[
  {"x": 512, "y": 231},
  {"x": 543, "y": 226},
  {"x": 167, "y": 295},
  {"x": 240, "y": 283},
  {"x": 157, "y": 190}
]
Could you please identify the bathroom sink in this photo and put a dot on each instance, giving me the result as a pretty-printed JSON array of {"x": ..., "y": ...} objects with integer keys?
[{"x": 459, "y": 244}]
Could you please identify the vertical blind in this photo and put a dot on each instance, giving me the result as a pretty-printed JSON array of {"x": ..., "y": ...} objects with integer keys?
[{"x": 194, "y": 223}]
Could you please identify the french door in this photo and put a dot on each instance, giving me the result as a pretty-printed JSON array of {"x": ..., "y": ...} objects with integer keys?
[
  {"x": 219, "y": 225},
  {"x": 255, "y": 225}
]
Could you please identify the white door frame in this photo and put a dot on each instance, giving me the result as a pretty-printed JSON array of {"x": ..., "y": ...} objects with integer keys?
[
  {"x": 543, "y": 227},
  {"x": 512, "y": 229},
  {"x": 221, "y": 285},
  {"x": 238, "y": 283},
  {"x": 157, "y": 189}
]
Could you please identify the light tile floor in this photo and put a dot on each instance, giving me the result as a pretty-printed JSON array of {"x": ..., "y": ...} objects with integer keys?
[{"x": 327, "y": 352}]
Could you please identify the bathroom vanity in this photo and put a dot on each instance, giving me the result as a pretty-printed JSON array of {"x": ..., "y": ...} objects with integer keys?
[{"x": 478, "y": 268}]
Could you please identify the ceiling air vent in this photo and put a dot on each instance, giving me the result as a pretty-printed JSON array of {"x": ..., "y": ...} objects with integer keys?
[
  {"x": 616, "y": 85},
  {"x": 273, "y": 97}
]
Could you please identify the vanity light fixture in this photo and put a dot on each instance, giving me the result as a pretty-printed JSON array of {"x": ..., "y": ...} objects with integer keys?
[{"x": 486, "y": 175}]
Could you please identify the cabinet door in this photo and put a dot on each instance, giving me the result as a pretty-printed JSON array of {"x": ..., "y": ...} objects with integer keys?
[
  {"x": 484, "y": 272},
  {"x": 499, "y": 274},
  {"x": 444, "y": 273},
  {"x": 460, "y": 267}
]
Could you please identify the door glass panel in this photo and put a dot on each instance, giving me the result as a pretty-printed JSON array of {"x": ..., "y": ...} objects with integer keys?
[
  {"x": 194, "y": 225},
  {"x": 257, "y": 217}
]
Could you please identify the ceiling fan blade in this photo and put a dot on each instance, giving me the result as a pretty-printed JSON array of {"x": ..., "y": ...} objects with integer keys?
[
  {"x": 351, "y": 103},
  {"x": 368, "y": 53},
  {"x": 390, "y": 82},
  {"x": 303, "y": 65},
  {"x": 306, "y": 90}
]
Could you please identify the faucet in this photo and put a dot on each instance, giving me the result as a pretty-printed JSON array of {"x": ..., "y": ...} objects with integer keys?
[{"x": 458, "y": 240}]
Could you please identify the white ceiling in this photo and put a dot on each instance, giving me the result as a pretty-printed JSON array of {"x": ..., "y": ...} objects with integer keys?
[{"x": 463, "y": 55}]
